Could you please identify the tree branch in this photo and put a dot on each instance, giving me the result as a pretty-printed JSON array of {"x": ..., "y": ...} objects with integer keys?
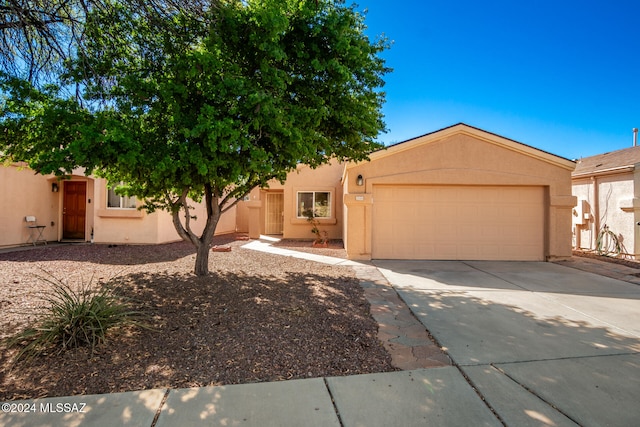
[{"x": 184, "y": 231}]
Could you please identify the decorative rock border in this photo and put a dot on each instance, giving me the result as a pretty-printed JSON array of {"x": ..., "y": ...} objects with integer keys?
[{"x": 404, "y": 337}]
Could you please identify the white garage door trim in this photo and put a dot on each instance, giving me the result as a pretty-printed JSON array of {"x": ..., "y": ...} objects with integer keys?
[{"x": 458, "y": 222}]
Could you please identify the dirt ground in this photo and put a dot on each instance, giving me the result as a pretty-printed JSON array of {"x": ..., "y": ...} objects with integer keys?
[
  {"x": 616, "y": 260},
  {"x": 257, "y": 317}
]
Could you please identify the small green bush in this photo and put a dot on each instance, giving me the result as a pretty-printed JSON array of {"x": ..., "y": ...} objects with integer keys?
[{"x": 74, "y": 318}]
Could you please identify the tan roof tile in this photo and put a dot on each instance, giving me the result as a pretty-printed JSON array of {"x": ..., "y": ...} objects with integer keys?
[{"x": 612, "y": 160}]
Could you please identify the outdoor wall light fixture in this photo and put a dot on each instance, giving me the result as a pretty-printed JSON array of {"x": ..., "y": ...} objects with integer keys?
[
  {"x": 54, "y": 187},
  {"x": 359, "y": 181}
]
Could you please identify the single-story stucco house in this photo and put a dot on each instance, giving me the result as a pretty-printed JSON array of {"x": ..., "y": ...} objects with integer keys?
[
  {"x": 457, "y": 193},
  {"x": 608, "y": 190}
]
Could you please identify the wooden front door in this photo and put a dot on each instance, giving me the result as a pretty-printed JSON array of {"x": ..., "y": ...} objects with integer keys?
[{"x": 74, "y": 210}]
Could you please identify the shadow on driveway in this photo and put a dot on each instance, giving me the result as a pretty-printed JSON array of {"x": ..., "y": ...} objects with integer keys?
[{"x": 557, "y": 337}]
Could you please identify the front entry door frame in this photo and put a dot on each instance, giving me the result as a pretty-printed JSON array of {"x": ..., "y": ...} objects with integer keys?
[
  {"x": 274, "y": 218},
  {"x": 74, "y": 210}
]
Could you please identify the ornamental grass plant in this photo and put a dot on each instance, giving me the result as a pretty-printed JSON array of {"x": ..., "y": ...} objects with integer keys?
[{"x": 74, "y": 317}]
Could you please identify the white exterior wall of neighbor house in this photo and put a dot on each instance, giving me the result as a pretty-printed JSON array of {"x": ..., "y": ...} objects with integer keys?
[
  {"x": 612, "y": 200},
  {"x": 583, "y": 215}
]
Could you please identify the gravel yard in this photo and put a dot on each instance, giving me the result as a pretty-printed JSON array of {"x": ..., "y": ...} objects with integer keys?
[{"x": 257, "y": 317}]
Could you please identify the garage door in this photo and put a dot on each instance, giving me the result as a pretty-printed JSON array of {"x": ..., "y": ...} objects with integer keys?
[{"x": 458, "y": 223}]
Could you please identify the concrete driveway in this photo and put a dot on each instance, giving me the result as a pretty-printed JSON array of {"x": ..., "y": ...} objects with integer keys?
[{"x": 543, "y": 343}]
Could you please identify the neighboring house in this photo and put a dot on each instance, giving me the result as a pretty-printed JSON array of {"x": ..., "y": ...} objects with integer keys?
[
  {"x": 457, "y": 193},
  {"x": 608, "y": 190},
  {"x": 81, "y": 209}
]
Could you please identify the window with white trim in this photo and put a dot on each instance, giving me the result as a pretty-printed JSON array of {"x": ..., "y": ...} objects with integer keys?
[
  {"x": 116, "y": 201},
  {"x": 314, "y": 203}
]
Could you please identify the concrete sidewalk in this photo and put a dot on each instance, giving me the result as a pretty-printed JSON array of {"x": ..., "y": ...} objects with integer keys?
[{"x": 435, "y": 397}]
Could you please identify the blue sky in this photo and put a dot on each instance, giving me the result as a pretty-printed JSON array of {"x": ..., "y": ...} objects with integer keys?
[{"x": 562, "y": 76}]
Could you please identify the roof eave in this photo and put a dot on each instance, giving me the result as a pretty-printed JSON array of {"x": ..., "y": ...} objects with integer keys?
[
  {"x": 609, "y": 171},
  {"x": 462, "y": 128}
]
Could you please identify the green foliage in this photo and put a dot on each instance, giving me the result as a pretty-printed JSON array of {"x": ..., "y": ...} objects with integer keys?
[
  {"x": 74, "y": 318},
  {"x": 208, "y": 108},
  {"x": 51, "y": 133},
  {"x": 321, "y": 236},
  {"x": 268, "y": 85}
]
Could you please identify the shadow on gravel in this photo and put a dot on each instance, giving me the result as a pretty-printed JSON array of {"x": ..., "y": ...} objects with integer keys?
[
  {"x": 110, "y": 254},
  {"x": 227, "y": 328},
  {"x": 104, "y": 254}
]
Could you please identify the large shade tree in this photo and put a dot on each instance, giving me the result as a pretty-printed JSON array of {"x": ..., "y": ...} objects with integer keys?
[{"x": 207, "y": 109}]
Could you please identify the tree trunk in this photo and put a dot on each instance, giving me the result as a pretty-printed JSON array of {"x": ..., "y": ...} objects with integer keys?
[
  {"x": 202, "y": 243},
  {"x": 203, "y": 247},
  {"x": 202, "y": 259}
]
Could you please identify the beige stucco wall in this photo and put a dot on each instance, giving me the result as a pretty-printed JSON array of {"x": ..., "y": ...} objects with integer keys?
[
  {"x": 122, "y": 226},
  {"x": 242, "y": 217},
  {"x": 324, "y": 178},
  {"x": 25, "y": 193},
  {"x": 227, "y": 223},
  {"x": 607, "y": 199},
  {"x": 460, "y": 156},
  {"x": 139, "y": 227}
]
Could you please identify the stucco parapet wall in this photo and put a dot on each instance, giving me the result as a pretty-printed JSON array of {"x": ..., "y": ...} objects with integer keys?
[{"x": 563, "y": 201}]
